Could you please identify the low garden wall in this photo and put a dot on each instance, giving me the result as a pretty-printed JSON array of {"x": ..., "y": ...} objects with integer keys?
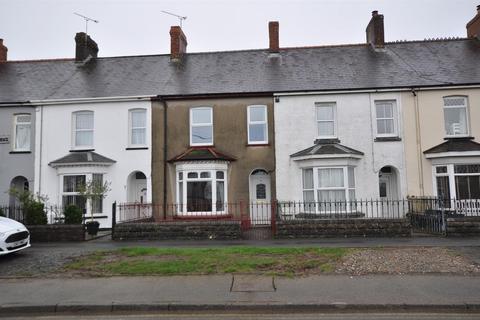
[
  {"x": 181, "y": 230},
  {"x": 329, "y": 228},
  {"x": 56, "y": 232},
  {"x": 463, "y": 226}
]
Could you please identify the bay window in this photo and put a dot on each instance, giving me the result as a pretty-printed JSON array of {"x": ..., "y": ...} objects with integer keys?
[
  {"x": 72, "y": 196},
  {"x": 22, "y": 132},
  {"x": 328, "y": 187},
  {"x": 201, "y": 126},
  {"x": 201, "y": 190},
  {"x": 455, "y": 116},
  {"x": 82, "y": 129},
  {"x": 457, "y": 181}
]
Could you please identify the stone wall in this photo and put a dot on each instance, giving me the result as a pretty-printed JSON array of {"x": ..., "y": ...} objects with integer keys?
[
  {"x": 182, "y": 230},
  {"x": 329, "y": 228},
  {"x": 463, "y": 226},
  {"x": 56, "y": 232}
]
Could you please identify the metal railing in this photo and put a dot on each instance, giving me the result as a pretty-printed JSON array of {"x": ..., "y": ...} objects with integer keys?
[{"x": 53, "y": 213}]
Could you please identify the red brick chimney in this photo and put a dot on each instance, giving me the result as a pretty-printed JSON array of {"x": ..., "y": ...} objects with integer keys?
[
  {"x": 178, "y": 43},
  {"x": 273, "y": 33},
  {"x": 3, "y": 52},
  {"x": 375, "y": 33},
  {"x": 473, "y": 26}
]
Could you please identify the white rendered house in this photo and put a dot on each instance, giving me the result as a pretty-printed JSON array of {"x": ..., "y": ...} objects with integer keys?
[
  {"x": 339, "y": 147},
  {"x": 104, "y": 140}
]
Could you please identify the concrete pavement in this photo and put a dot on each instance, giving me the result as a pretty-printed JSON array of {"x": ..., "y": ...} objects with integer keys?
[{"x": 226, "y": 292}]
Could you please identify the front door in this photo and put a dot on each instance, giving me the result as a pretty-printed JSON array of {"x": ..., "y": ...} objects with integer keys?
[
  {"x": 260, "y": 208},
  {"x": 390, "y": 206}
]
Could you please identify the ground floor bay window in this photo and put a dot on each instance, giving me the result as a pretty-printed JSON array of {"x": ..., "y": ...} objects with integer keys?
[
  {"x": 201, "y": 189},
  {"x": 327, "y": 189},
  {"x": 71, "y": 195}
]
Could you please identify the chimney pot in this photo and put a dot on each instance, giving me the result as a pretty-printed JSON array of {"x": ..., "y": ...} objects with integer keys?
[
  {"x": 375, "y": 30},
  {"x": 473, "y": 26},
  {"x": 85, "y": 47},
  {"x": 178, "y": 43},
  {"x": 3, "y": 51},
  {"x": 273, "y": 35}
]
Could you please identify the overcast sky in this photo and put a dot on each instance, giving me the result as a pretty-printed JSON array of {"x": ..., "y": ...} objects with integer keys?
[{"x": 42, "y": 29}]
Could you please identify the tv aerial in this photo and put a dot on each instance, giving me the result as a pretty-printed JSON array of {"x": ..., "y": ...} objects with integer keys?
[
  {"x": 180, "y": 18},
  {"x": 87, "y": 19}
]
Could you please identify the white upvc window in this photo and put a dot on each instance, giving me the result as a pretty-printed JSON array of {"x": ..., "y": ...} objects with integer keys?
[
  {"x": 257, "y": 124},
  {"x": 137, "y": 128},
  {"x": 71, "y": 195},
  {"x": 22, "y": 132},
  {"x": 82, "y": 133},
  {"x": 201, "y": 126},
  {"x": 202, "y": 191},
  {"x": 386, "y": 115},
  {"x": 326, "y": 114},
  {"x": 455, "y": 116},
  {"x": 457, "y": 181},
  {"x": 328, "y": 189}
]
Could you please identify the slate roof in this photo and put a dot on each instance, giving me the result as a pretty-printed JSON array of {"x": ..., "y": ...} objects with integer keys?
[
  {"x": 341, "y": 67},
  {"x": 455, "y": 145},
  {"x": 327, "y": 149},
  {"x": 202, "y": 153},
  {"x": 86, "y": 157}
]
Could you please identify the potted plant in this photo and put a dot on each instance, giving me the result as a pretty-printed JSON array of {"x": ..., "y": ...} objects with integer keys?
[{"x": 93, "y": 191}]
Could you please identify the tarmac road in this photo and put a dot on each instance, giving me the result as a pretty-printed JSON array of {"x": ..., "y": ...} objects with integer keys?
[{"x": 262, "y": 316}]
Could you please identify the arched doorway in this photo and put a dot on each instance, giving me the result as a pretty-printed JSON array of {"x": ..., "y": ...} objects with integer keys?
[
  {"x": 388, "y": 183},
  {"x": 19, "y": 183},
  {"x": 137, "y": 187},
  {"x": 260, "y": 197}
]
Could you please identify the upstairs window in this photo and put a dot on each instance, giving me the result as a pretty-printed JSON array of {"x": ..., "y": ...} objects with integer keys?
[
  {"x": 137, "y": 127},
  {"x": 455, "y": 114},
  {"x": 201, "y": 126},
  {"x": 386, "y": 118},
  {"x": 326, "y": 119},
  {"x": 257, "y": 125},
  {"x": 83, "y": 129},
  {"x": 22, "y": 132}
]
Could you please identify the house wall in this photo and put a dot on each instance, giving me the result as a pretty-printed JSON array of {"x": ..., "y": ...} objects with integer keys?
[
  {"x": 296, "y": 130},
  {"x": 431, "y": 132},
  {"x": 229, "y": 136},
  {"x": 110, "y": 140},
  {"x": 14, "y": 164}
]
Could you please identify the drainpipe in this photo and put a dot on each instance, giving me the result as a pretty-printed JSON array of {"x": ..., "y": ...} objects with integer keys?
[
  {"x": 419, "y": 141},
  {"x": 40, "y": 152},
  {"x": 164, "y": 157}
]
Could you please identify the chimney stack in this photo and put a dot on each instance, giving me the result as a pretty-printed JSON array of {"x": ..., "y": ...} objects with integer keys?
[
  {"x": 3, "y": 52},
  {"x": 273, "y": 34},
  {"x": 375, "y": 32},
  {"x": 473, "y": 26},
  {"x": 85, "y": 47},
  {"x": 178, "y": 44}
]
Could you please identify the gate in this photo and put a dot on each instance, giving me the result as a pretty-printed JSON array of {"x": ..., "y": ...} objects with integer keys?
[
  {"x": 427, "y": 215},
  {"x": 258, "y": 220}
]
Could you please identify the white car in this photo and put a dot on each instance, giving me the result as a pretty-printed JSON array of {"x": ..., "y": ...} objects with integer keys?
[{"x": 13, "y": 236}]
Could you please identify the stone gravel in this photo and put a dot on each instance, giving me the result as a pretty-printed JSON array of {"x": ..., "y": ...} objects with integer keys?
[{"x": 400, "y": 261}]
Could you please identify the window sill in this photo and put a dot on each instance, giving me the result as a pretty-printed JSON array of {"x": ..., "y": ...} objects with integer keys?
[
  {"x": 136, "y": 148},
  {"x": 258, "y": 145},
  {"x": 387, "y": 139},
  {"x": 89, "y": 217},
  {"x": 326, "y": 140},
  {"x": 20, "y": 152},
  {"x": 81, "y": 150},
  {"x": 465, "y": 137}
]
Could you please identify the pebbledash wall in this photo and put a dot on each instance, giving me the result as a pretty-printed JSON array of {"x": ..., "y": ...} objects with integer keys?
[
  {"x": 111, "y": 136},
  {"x": 296, "y": 130}
]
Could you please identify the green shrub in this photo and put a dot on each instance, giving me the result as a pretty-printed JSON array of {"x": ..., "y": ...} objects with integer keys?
[
  {"x": 34, "y": 213},
  {"x": 1, "y": 213},
  {"x": 73, "y": 214}
]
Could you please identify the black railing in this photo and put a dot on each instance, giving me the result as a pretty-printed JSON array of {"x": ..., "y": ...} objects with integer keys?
[{"x": 53, "y": 214}]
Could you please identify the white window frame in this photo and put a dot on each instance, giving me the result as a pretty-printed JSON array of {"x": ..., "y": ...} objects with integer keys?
[
  {"x": 206, "y": 124},
  {"x": 88, "y": 178},
  {"x": 182, "y": 206},
  {"x": 346, "y": 185},
  {"x": 394, "y": 118},
  {"x": 264, "y": 122},
  {"x": 15, "y": 124},
  {"x": 130, "y": 127},
  {"x": 333, "y": 104},
  {"x": 467, "y": 117},
  {"x": 75, "y": 130}
]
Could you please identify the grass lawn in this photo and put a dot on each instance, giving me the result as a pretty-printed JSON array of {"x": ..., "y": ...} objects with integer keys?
[{"x": 184, "y": 261}]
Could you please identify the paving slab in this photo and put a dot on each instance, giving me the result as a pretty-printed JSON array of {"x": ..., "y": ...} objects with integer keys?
[{"x": 252, "y": 283}]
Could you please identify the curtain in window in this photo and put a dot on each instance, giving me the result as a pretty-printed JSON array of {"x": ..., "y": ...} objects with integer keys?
[
  {"x": 84, "y": 129},
  {"x": 138, "y": 127},
  {"x": 22, "y": 137},
  {"x": 326, "y": 120},
  {"x": 330, "y": 178}
]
